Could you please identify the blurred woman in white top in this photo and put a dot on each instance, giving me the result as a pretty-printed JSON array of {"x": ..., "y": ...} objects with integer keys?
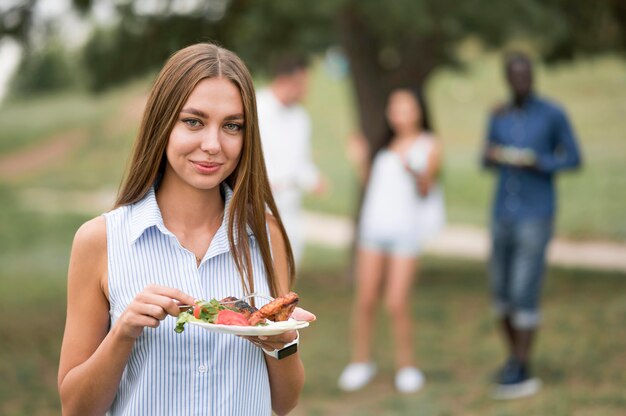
[{"x": 403, "y": 208}]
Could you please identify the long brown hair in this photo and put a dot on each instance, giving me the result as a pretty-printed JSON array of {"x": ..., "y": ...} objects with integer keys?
[{"x": 252, "y": 196}]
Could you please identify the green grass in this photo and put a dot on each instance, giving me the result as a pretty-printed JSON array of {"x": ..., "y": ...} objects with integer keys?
[
  {"x": 579, "y": 355},
  {"x": 34, "y": 252}
]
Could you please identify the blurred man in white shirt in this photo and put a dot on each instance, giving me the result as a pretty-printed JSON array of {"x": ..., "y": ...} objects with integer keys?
[{"x": 286, "y": 136}]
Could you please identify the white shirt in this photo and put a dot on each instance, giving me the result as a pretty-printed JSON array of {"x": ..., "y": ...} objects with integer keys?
[
  {"x": 393, "y": 207},
  {"x": 286, "y": 138}
]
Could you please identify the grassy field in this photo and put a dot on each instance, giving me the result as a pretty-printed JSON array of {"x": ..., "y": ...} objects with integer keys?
[{"x": 579, "y": 354}]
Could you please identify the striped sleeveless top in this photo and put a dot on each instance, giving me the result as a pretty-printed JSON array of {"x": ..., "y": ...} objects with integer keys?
[{"x": 196, "y": 372}]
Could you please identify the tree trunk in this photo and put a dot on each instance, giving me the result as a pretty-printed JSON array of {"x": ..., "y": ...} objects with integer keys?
[{"x": 373, "y": 78}]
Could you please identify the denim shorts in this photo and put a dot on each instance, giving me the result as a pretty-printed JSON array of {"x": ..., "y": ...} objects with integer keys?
[
  {"x": 517, "y": 267},
  {"x": 395, "y": 246}
]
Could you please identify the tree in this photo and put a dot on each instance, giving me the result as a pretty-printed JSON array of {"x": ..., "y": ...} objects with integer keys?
[{"x": 388, "y": 43}]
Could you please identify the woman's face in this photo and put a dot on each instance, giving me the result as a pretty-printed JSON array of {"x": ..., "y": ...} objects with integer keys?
[
  {"x": 403, "y": 111},
  {"x": 205, "y": 144}
]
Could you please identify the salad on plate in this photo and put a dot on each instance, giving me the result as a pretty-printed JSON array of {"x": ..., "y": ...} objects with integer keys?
[{"x": 238, "y": 317}]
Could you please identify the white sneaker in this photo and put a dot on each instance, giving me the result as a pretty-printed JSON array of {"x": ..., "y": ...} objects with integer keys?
[
  {"x": 409, "y": 380},
  {"x": 356, "y": 375}
]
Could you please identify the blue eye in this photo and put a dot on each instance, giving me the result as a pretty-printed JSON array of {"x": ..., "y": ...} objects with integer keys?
[
  {"x": 192, "y": 122},
  {"x": 233, "y": 127}
]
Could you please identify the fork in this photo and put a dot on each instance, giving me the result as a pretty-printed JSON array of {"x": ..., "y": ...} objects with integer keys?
[
  {"x": 184, "y": 307},
  {"x": 251, "y": 295}
]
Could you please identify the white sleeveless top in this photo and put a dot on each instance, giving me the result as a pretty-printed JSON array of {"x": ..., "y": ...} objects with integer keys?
[
  {"x": 196, "y": 372},
  {"x": 393, "y": 207}
]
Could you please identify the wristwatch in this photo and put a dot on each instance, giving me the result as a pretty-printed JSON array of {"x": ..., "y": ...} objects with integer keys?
[{"x": 289, "y": 349}]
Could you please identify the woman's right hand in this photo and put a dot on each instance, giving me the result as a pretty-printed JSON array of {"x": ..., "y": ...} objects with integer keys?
[{"x": 149, "y": 308}]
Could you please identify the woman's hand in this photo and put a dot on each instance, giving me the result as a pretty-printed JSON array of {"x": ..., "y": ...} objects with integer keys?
[
  {"x": 149, "y": 308},
  {"x": 423, "y": 185},
  {"x": 277, "y": 342}
]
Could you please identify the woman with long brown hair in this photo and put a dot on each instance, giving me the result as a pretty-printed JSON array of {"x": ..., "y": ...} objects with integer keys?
[{"x": 194, "y": 219}]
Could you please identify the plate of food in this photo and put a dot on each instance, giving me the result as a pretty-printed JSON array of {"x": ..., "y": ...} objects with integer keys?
[{"x": 236, "y": 316}]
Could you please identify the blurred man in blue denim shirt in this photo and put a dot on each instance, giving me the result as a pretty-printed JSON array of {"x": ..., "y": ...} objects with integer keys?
[{"x": 529, "y": 140}]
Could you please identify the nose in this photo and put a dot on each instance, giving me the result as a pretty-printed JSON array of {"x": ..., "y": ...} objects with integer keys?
[{"x": 211, "y": 141}]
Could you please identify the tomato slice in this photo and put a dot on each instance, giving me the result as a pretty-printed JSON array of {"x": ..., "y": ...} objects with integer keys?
[
  {"x": 228, "y": 317},
  {"x": 196, "y": 311}
]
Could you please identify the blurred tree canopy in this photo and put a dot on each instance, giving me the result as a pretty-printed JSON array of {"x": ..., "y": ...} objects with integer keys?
[
  {"x": 388, "y": 43},
  {"x": 44, "y": 71}
]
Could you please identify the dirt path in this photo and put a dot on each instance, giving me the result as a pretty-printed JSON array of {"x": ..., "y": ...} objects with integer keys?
[
  {"x": 41, "y": 155},
  {"x": 457, "y": 240},
  {"x": 54, "y": 149},
  {"x": 467, "y": 241}
]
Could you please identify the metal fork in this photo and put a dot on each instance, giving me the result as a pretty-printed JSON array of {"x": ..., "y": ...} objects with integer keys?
[
  {"x": 251, "y": 295},
  {"x": 184, "y": 307}
]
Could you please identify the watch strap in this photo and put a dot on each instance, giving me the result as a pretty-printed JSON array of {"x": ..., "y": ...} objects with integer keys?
[{"x": 289, "y": 349}]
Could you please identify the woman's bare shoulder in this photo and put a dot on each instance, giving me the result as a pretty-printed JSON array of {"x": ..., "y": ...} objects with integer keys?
[{"x": 92, "y": 234}]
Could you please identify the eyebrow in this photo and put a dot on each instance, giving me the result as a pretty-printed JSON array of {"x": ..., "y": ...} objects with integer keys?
[{"x": 200, "y": 113}]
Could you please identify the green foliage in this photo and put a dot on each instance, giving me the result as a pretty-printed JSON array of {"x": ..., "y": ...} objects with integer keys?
[
  {"x": 402, "y": 40},
  {"x": 140, "y": 45},
  {"x": 44, "y": 71},
  {"x": 257, "y": 31}
]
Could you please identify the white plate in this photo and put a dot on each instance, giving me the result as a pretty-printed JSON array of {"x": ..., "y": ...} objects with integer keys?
[{"x": 272, "y": 328}]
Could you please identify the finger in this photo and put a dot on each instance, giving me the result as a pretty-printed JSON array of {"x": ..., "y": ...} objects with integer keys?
[
  {"x": 147, "y": 321},
  {"x": 166, "y": 303},
  {"x": 300, "y": 314},
  {"x": 254, "y": 340},
  {"x": 171, "y": 293},
  {"x": 271, "y": 346},
  {"x": 154, "y": 311},
  {"x": 283, "y": 338}
]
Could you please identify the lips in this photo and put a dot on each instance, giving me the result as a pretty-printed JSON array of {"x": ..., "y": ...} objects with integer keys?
[{"x": 206, "y": 167}]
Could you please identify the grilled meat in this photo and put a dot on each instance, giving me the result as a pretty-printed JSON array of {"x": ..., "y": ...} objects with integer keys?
[{"x": 277, "y": 310}]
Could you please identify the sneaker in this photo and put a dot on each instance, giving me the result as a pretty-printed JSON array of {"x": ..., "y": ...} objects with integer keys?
[
  {"x": 409, "y": 380},
  {"x": 515, "y": 382},
  {"x": 356, "y": 376}
]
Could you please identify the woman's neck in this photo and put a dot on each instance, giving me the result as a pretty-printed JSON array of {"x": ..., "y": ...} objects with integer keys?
[
  {"x": 187, "y": 208},
  {"x": 407, "y": 134}
]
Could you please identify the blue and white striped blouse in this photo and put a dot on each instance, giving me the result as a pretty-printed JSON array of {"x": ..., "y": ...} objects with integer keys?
[{"x": 197, "y": 372}]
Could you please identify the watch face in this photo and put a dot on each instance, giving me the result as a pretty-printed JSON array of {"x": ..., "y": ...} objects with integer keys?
[{"x": 287, "y": 351}]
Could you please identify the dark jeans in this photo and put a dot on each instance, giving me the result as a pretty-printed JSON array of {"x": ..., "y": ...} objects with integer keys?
[{"x": 517, "y": 267}]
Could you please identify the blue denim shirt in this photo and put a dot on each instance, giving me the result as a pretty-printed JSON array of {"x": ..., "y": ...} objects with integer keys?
[{"x": 543, "y": 128}]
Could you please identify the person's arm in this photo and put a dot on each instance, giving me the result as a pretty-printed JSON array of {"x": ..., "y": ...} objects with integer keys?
[
  {"x": 287, "y": 375},
  {"x": 566, "y": 154},
  {"x": 427, "y": 178},
  {"x": 489, "y": 157},
  {"x": 358, "y": 152},
  {"x": 92, "y": 356}
]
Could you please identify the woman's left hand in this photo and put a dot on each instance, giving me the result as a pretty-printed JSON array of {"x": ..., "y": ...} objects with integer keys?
[{"x": 277, "y": 342}]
